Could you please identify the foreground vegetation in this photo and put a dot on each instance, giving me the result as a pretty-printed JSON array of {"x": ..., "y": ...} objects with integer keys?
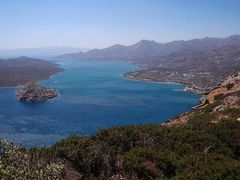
[{"x": 199, "y": 149}]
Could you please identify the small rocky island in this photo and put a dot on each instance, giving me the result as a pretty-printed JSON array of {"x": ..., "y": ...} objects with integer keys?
[{"x": 36, "y": 94}]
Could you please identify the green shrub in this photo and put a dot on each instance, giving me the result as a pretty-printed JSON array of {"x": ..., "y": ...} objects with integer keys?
[
  {"x": 229, "y": 86},
  {"x": 148, "y": 163},
  {"x": 207, "y": 166},
  {"x": 209, "y": 107},
  {"x": 218, "y": 96}
]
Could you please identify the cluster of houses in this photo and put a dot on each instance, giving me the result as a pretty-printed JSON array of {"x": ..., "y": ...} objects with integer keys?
[{"x": 35, "y": 94}]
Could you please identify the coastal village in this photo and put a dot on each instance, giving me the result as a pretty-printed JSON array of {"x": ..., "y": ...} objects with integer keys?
[
  {"x": 193, "y": 80},
  {"x": 36, "y": 94}
]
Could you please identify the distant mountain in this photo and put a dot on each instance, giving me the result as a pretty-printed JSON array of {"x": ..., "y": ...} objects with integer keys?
[
  {"x": 199, "y": 70},
  {"x": 145, "y": 49},
  {"x": 215, "y": 60},
  {"x": 39, "y": 52},
  {"x": 142, "y": 49},
  {"x": 22, "y": 70}
]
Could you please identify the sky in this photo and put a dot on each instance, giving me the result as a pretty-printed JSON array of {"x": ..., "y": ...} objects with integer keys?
[{"x": 101, "y": 23}]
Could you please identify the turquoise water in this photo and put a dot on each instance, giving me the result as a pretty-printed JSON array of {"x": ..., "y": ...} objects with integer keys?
[{"x": 93, "y": 95}]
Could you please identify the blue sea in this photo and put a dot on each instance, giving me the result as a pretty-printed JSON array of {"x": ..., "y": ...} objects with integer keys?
[{"x": 93, "y": 95}]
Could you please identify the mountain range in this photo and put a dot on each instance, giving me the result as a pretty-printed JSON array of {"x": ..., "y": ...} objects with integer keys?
[
  {"x": 216, "y": 60},
  {"x": 148, "y": 50}
]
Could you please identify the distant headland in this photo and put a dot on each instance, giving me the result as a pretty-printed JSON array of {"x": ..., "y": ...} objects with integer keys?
[{"x": 23, "y": 70}]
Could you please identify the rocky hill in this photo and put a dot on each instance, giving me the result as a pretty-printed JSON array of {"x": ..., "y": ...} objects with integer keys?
[
  {"x": 20, "y": 71},
  {"x": 147, "y": 50}
]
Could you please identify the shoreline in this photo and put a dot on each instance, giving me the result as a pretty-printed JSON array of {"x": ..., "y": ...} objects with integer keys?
[
  {"x": 187, "y": 88},
  {"x": 50, "y": 77},
  {"x": 153, "y": 82}
]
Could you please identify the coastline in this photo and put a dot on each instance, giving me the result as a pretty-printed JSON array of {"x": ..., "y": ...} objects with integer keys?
[
  {"x": 51, "y": 76},
  {"x": 154, "y": 82},
  {"x": 188, "y": 88}
]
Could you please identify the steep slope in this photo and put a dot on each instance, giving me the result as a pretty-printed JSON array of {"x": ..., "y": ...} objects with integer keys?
[{"x": 147, "y": 50}]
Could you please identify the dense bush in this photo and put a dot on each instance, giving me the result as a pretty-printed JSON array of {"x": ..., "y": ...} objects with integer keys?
[
  {"x": 18, "y": 163},
  {"x": 208, "y": 166},
  {"x": 218, "y": 96},
  {"x": 149, "y": 162},
  {"x": 229, "y": 86},
  {"x": 199, "y": 148}
]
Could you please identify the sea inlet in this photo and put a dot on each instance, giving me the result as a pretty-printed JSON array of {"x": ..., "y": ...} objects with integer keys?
[{"x": 92, "y": 95}]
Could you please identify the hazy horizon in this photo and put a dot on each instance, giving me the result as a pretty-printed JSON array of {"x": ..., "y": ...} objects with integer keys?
[
  {"x": 87, "y": 49},
  {"x": 99, "y": 24}
]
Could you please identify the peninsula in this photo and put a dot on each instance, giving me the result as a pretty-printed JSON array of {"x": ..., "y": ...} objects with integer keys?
[{"x": 23, "y": 70}]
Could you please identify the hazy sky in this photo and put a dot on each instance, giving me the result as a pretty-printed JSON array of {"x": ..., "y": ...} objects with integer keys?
[{"x": 100, "y": 23}]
